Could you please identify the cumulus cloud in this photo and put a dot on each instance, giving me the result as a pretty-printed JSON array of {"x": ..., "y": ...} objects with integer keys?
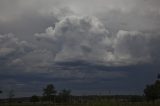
[
  {"x": 12, "y": 48},
  {"x": 87, "y": 39},
  {"x": 10, "y": 43},
  {"x": 76, "y": 37},
  {"x": 93, "y": 39},
  {"x": 20, "y": 56},
  {"x": 131, "y": 47},
  {"x": 123, "y": 34}
]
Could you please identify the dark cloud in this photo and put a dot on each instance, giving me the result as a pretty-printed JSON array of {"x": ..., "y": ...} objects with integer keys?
[
  {"x": 120, "y": 80},
  {"x": 72, "y": 43}
]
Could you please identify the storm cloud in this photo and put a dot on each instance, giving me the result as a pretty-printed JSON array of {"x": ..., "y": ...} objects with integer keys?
[
  {"x": 79, "y": 41},
  {"x": 87, "y": 39}
]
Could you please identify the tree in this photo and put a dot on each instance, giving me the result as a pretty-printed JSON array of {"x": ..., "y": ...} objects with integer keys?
[
  {"x": 1, "y": 92},
  {"x": 152, "y": 92},
  {"x": 49, "y": 92},
  {"x": 158, "y": 76},
  {"x": 64, "y": 95},
  {"x": 34, "y": 99}
]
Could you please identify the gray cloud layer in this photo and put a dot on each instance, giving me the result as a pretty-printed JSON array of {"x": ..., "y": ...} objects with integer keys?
[
  {"x": 109, "y": 32},
  {"x": 78, "y": 41},
  {"x": 34, "y": 15}
]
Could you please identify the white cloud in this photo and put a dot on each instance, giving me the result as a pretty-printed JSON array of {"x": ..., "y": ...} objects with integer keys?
[
  {"x": 87, "y": 39},
  {"x": 79, "y": 38}
]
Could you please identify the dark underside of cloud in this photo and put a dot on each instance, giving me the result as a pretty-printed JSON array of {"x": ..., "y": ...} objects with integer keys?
[
  {"x": 113, "y": 45},
  {"x": 82, "y": 78}
]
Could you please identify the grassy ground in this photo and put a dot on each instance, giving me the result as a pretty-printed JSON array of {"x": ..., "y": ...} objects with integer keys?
[{"x": 107, "y": 103}]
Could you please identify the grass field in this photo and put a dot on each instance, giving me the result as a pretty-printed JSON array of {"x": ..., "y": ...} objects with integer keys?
[{"x": 104, "y": 103}]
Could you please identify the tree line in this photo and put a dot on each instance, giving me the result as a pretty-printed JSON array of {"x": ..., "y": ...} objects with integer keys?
[
  {"x": 50, "y": 94},
  {"x": 152, "y": 91}
]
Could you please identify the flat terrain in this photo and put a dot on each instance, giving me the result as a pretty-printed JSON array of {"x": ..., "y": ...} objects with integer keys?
[{"x": 88, "y": 104}]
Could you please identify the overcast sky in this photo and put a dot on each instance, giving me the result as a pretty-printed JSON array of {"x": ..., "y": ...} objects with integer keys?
[{"x": 88, "y": 46}]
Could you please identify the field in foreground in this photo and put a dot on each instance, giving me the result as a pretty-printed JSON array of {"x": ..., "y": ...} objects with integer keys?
[{"x": 88, "y": 104}]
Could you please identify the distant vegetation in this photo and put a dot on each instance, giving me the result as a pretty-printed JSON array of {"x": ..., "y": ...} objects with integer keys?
[
  {"x": 0, "y": 91},
  {"x": 51, "y": 97},
  {"x": 152, "y": 92},
  {"x": 49, "y": 93},
  {"x": 34, "y": 99}
]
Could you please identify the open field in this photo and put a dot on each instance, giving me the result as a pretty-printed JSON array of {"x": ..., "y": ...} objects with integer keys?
[{"x": 107, "y": 103}]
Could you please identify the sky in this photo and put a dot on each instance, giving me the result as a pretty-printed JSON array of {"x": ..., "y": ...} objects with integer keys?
[{"x": 88, "y": 46}]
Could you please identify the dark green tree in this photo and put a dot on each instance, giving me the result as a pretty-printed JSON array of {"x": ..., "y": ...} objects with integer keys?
[
  {"x": 152, "y": 92},
  {"x": 34, "y": 99},
  {"x": 65, "y": 95},
  {"x": 49, "y": 92},
  {"x": 158, "y": 76}
]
